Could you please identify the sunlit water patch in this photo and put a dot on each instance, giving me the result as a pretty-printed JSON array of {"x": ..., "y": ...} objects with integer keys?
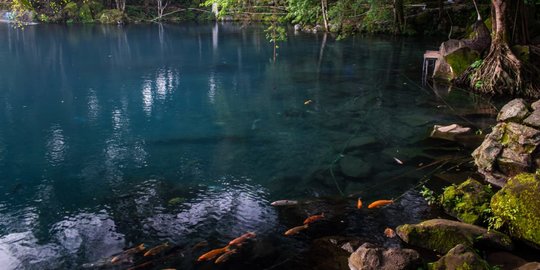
[{"x": 115, "y": 136}]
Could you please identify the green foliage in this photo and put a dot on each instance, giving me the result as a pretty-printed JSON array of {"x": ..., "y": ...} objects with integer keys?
[
  {"x": 477, "y": 63},
  {"x": 111, "y": 16},
  {"x": 85, "y": 14},
  {"x": 303, "y": 11},
  {"x": 428, "y": 195},
  {"x": 378, "y": 19},
  {"x": 95, "y": 7},
  {"x": 71, "y": 11},
  {"x": 44, "y": 18},
  {"x": 21, "y": 9},
  {"x": 275, "y": 33},
  {"x": 468, "y": 201},
  {"x": 516, "y": 206},
  {"x": 478, "y": 84}
]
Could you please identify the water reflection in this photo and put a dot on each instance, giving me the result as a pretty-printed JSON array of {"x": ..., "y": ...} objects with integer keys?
[
  {"x": 233, "y": 131},
  {"x": 93, "y": 105},
  {"x": 56, "y": 146},
  {"x": 212, "y": 88},
  {"x": 92, "y": 235}
]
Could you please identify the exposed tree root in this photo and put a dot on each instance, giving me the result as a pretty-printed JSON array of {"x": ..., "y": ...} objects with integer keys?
[{"x": 502, "y": 73}]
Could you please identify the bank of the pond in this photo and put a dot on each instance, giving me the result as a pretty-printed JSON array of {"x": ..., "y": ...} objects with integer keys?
[{"x": 185, "y": 134}]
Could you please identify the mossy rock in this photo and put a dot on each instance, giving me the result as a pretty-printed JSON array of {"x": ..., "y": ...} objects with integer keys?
[
  {"x": 441, "y": 235},
  {"x": 517, "y": 205},
  {"x": 461, "y": 59},
  {"x": 111, "y": 16},
  {"x": 85, "y": 14},
  {"x": 468, "y": 201},
  {"x": 70, "y": 11},
  {"x": 460, "y": 258}
]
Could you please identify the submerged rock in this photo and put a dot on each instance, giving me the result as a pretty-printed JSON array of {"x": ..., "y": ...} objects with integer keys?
[
  {"x": 458, "y": 258},
  {"x": 467, "y": 201},
  {"x": 371, "y": 257},
  {"x": 327, "y": 253},
  {"x": 360, "y": 141},
  {"x": 448, "y": 132},
  {"x": 354, "y": 167},
  {"x": 441, "y": 235},
  {"x": 517, "y": 204}
]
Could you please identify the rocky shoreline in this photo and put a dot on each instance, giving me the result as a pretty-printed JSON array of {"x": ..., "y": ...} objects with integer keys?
[{"x": 494, "y": 223}]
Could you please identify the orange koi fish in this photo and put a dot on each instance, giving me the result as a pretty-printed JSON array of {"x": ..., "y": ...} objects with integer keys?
[
  {"x": 284, "y": 203},
  {"x": 124, "y": 254},
  {"x": 157, "y": 249},
  {"x": 313, "y": 218},
  {"x": 199, "y": 245},
  {"x": 225, "y": 256},
  {"x": 389, "y": 233},
  {"x": 380, "y": 203},
  {"x": 359, "y": 203},
  {"x": 213, "y": 253},
  {"x": 242, "y": 239},
  {"x": 296, "y": 230}
]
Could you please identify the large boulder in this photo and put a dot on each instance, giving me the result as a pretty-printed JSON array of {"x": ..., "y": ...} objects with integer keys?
[
  {"x": 460, "y": 59},
  {"x": 442, "y": 70},
  {"x": 441, "y": 235},
  {"x": 468, "y": 201},
  {"x": 517, "y": 205},
  {"x": 529, "y": 266},
  {"x": 371, "y": 257},
  {"x": 512, "y": 145},
  {"x": 458, "y": 258},
  {"x": 505, "y": 260},
  {"x": 515, "y": 111}
]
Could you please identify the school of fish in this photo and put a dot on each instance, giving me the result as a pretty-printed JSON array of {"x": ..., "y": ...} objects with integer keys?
[{"x": 222, "y": 254}]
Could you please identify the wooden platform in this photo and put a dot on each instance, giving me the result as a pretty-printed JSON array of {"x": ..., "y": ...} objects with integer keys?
[{"x": 429, "y": 56}]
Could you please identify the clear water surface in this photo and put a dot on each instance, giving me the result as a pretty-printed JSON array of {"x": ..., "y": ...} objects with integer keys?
[{"x": 111, "y": 136}]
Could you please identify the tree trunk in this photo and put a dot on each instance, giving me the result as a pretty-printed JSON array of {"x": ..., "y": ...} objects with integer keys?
[
  {"x": 501, "y": 71},
  {"x": 398, "y": 16},
  {"x": 121, "y": 5},
  {"x": 324, "y": 7}
]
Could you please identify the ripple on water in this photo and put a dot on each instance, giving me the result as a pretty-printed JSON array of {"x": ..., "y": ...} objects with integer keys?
[{"x": 219, "y": 212}]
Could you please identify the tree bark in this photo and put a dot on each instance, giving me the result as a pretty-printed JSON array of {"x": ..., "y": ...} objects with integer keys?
[
  {"x": 502, "y": 72},
  {"x": 398, "y": 16},
  {"x": 324, "y": 7}
]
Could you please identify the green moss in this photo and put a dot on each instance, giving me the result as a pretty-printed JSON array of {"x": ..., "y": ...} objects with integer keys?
[
  {"x": 517, "y": 205},
  {"x": 468, "y": 202},
  {"x": 436, "y": 239},
  {"x": 461, "y": 59},
  {"x": 460, "y": 258}
]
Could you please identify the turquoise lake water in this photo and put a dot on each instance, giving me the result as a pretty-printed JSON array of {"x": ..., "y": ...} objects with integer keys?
[{"x": 112, "y": 136}]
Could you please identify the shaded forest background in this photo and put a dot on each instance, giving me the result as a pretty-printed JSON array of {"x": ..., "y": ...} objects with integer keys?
[{"x": 494, "y": 46}]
